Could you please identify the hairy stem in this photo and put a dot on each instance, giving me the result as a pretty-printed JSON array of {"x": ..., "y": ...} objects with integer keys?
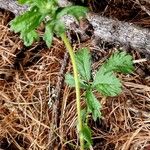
[{"x": 77, "y": 87}]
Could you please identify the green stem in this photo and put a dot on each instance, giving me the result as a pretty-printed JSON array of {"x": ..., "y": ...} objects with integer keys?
[{"x": 77, "y": 86}]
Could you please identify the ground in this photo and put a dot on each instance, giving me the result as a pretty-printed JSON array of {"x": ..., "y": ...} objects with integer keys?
[{"x": 28, "y": 77}]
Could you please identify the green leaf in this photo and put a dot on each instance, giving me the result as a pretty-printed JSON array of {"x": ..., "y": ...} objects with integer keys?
[
  {"x": 29, "y": 37},
  {"x": 93, "y": 105},
  {"x": 39, "y": 3},
  {"x": 83, "y": 59},
  {"x": 48, "y": 7},
  {"x": 33, "y": 2},
  {"x": 20, "y": 22},
  {"x": 27, "y": 22},
  {"x": 119, "y": 62},
  {"x": 48, "y": 35},
  {"x": 84, "y": 114},
  {"x": 86, "y": 132},
  {"x": 26, "y": 25},
  {"x": 107, "y": 83},
  {"x": 24, "y": 1},
  {"x": 69, "y": 79},
  {"x": 76, "y": 11}
]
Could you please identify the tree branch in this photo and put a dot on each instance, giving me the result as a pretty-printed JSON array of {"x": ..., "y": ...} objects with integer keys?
[{"x": 124, "y": 33}]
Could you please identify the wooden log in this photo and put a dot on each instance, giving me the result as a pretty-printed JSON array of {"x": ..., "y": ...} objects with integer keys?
[
  {"x": 12, "y": 6},
  {"x": 124, "y": 33},
  {"x": 107, "y": 29}
]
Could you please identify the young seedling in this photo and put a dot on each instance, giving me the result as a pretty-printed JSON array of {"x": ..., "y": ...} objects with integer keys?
[
  {"x": 50, "y": 13},
  {"x": 105, "y": 82}
]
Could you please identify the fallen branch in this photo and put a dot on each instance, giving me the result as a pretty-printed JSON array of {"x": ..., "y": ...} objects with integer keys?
[
  {"x": 109, "y": 30},
  {"x": 123, "y": 33},
  {"x": 12, "y": 6},
  {"x": 56, "y": 105}
]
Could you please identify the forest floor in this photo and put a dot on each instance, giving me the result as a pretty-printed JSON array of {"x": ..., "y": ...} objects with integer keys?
[{"x": 28, "y": 77}]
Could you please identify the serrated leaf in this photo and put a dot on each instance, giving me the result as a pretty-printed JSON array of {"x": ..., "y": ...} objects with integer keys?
[
  {"x": 119, "y": 62},
  {"x": 29, "y": 37},
  {"x": 69, "y": 79},
  {"x": 20, "y": 22},
  {"x": 76, "y": 11},
  {"x": 93, "y": 105},
  {"x": 36, "y": 20},
  {"x": 48, "y": 35},
  {"x": 86, "y": 132},
  {"x": 83, "y": 59},
  {"x": 27, "y": 22},
  {"x": 107, "y": 83},
  {"x": 47, "y": 7}
]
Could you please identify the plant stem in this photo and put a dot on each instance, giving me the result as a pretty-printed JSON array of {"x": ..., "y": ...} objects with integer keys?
[{"x": 77, "y": 86}]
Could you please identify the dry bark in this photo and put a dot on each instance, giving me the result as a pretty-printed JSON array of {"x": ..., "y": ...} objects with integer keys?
[
  {"x": 106, "y": 29},
  {"x": 124, "y": 33},
  {"x": 13, "y": 6}
]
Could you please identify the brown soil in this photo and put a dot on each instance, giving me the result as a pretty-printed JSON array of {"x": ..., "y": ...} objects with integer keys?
[{"x": 28, "y": 76}]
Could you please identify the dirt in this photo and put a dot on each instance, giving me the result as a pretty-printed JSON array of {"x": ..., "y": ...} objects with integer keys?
[{"x": 28, "y": 76}]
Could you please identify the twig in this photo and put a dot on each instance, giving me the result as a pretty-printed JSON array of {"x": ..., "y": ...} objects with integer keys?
[
  {"x": 143, "y": 7},
  {"x": 139, "y": 60},
  {"x": 56, "y": 110},
  {"x": 137, "y": 111}
]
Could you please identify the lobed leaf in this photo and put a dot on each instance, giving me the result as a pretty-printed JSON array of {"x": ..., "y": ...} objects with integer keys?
[
  {"x": 119, "y": 62},
  {"x": 107, "y": 83},
  {"x": 83, "y": 59},
  {"x": 20, "y": 22},
  {"x": 26, "y": 25},
  {"x": 76, "y": 11},
  {"x": 93, "y": 105},
  {"x": 48, "y": 35},
  {"x": 29, "y": 37},
  {"x": 27, "y": 22}
]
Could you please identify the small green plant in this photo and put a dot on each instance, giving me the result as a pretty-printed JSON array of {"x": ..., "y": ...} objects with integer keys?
[
  {"x": 105, "y": 82},
  {"x": 50, "y": 13}
]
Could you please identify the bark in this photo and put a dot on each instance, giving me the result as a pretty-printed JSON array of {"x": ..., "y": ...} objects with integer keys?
[
  {"x": 12, "y": 6},
  {"x": 106, "y": 29},
  {"x": 124, "y": 33}
]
